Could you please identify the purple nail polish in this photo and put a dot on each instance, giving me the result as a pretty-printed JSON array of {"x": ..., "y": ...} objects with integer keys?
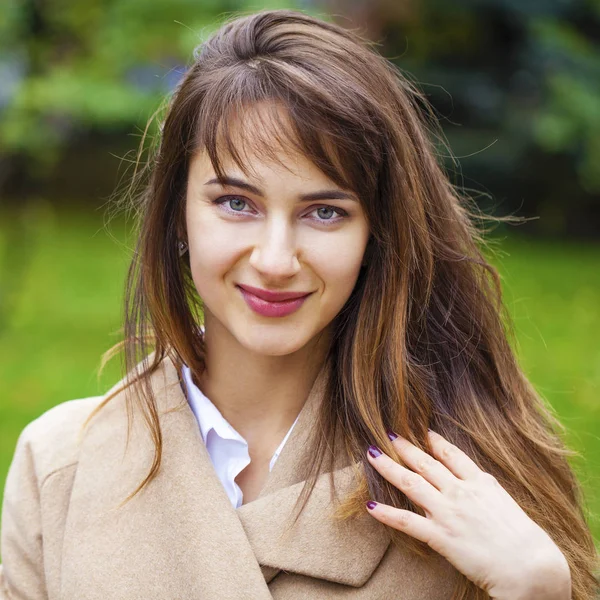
[
  {"x": 374, "y": 451},
  {"x": 371, "y": 505},
  {"x": 391, "y": 435}
]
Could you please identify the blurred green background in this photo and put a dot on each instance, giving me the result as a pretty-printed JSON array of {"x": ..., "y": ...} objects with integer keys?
[{"x": 516, "y": 85}]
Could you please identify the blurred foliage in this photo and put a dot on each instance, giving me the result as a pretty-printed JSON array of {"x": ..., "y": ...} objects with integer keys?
[
  {"x": 517, "y": 87},
  {"x": 570, "y": 119},
  {"x": 78, "y": 66}
]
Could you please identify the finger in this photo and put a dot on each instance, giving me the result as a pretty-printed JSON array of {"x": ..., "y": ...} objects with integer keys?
[
  {"x": 423, "y": 463},
  {"x": 412, "y": 484},
  {"x": 453, "y": 457},
  {"x": 406, "y": 521}
]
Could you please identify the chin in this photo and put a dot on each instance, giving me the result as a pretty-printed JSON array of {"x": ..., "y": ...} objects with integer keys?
[
  {"x": 274, "y": 343},
  {"x": 276, "y": 347}
]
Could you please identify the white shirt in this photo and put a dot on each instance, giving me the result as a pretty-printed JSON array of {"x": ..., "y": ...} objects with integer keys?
[{"x": 228, "y": 450}]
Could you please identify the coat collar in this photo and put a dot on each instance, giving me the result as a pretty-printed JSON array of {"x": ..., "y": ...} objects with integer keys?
[{"x": 180, "y": 536}]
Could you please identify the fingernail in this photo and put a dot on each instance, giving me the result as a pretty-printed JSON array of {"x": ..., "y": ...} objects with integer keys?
[
  {"x": 371, "y": 505},
  {"x": 391, "y": 435},
  {"x": 374, "y": 451}
]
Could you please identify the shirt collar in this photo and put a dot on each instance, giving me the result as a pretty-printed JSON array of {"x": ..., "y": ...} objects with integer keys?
[
  {"x": 207, "y": 414},
  {"x": 209, "y": 417}
]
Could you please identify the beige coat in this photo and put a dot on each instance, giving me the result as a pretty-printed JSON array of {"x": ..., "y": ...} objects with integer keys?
[{"x": 65, "y": 536}]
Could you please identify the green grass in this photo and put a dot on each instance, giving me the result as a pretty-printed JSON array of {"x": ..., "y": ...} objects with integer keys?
[
  {"x": 61, "y": 279},
  {"x": 61, "y": 303},
  {"x": 552, "y": 291}
]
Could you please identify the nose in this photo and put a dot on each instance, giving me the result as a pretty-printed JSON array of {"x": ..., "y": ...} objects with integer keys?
[{"x": 275, "y": 253}]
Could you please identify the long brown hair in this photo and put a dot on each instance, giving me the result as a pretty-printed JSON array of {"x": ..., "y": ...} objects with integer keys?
[{"x": 423, "y": 340}]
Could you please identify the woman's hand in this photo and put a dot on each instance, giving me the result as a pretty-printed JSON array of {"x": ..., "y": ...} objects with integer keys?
[{"x": 472, "y": 521}]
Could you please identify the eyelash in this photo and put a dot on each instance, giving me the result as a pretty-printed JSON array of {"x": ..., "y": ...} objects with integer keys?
[{"x": 342, "y": 213}]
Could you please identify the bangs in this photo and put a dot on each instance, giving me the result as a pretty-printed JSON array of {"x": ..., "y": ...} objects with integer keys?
[{"x": 246, "y": 115}]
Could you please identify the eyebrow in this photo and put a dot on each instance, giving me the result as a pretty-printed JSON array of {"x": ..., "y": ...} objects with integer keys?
[{"x": 320, "y": 195}]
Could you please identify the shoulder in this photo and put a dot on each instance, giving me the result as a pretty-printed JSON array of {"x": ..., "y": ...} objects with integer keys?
[{"x": 51, "y": 441}]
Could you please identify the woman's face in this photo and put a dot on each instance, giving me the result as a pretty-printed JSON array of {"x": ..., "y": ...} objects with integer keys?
[{"x": 262, "y": 233}]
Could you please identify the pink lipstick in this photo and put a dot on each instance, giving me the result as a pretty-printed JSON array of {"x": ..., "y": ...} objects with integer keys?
[{"x": 272, "y": 304}]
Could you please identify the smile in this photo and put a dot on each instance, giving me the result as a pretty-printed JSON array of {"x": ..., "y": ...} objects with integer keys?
[{"x": 270, "y": 308}]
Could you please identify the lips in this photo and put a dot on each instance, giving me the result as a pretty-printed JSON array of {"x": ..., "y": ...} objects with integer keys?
[
  {"x": 273, "y": 296},
  {"x": 260, "y": 301}
]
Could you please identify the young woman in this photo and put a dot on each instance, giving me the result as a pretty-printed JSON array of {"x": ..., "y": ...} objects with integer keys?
[{"x": 306, "y": 299}]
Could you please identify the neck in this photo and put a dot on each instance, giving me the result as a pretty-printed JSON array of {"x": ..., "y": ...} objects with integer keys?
[{"x": 260, "y": 396}]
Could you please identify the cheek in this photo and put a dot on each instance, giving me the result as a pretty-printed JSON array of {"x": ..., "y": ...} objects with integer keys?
[
  {"x": 338, "y": 261},
  {"x": 214, "y": 249}
]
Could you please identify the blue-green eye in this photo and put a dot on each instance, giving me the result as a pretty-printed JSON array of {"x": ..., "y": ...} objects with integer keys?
[
  {"x": 328, "y": 215},
  {"x": 328, "y": 212},
  {"x": 232, "y": 203},
  {"x": 236, "y": 204}
]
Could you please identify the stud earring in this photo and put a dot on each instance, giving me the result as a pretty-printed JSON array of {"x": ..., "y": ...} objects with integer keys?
[{"x": 182, "y": 248}]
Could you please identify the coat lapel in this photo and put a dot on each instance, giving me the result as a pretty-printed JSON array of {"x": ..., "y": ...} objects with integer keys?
[
  {"x": 180, "y": 536},
  {"x": 317, "y": 546}
]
